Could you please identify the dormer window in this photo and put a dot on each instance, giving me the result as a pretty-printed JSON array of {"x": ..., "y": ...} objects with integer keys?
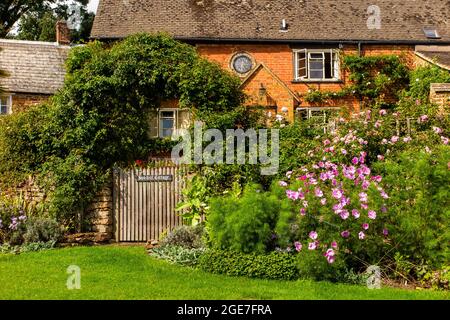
[{"x": 316, "y": 64}]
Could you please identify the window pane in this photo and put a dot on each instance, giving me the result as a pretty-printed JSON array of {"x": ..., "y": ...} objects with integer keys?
[
  {"x": 315, "y": 64},
  {"x": 167, "y": 123},
  {"x": 316, "y": 74},
  {"x": 166, "y": 133},
  {"x": 316, "y": 55},
  {"x": 167, "y": 114}
]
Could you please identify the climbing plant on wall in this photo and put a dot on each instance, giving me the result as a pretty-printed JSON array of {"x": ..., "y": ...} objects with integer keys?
[{"x": 100, "y": 117}]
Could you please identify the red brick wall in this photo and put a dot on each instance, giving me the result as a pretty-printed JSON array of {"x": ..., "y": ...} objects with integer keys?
[
  {"x": 21, "y": 101},
  {"x": 279, "y": 59}
]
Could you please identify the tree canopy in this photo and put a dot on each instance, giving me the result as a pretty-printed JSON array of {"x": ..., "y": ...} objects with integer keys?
[{"x": 37, "y": 19}]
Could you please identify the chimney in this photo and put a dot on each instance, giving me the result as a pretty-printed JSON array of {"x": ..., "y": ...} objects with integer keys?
[{"x": 62, "y": 33}]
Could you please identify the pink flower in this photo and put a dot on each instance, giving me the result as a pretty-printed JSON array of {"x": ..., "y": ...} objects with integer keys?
[
  {"x": 344, "y": 214},
  {"x": 380, "y": 157},
  {"x": 437, "y": 130},
  {"x": 326, "y": 142},
  {"x": 323, "y": 201},
  {"x": 298, "y": 246},
  {"x": 355, "y": 160},
  {"x": 364, "y": 206},
  {"x": 378, "y": 124},
  {"x": 395, "y": 139},
  {"x": 361, "y": 235},
  {"x": 345, "y": 234},
  {"x": 331, "y": 259},
  {"x": 385, "y": 232},
  {"x": 372, "y": 214},
  {"x": 383, "y": 112},
  {"x": 407, "y": 139},
  {"x": 383, "y": 209},
  {"x": 384, "y": 141},
  {"x": 293, "y": 195},
  {"x": 305, "y": 204},
  {"x": 312, "y": 245},
  {"x": 334, "y": 245},
  {"x": 337, "y": 194},
  {"x": 423, "y": 118},
  {"x": 343, "y": 151},
  {"x": 313, "y": 235},
  {"x": 363, "y": 197},
  {"x": 303, "y": 211},
  {"x": 288, "y": 174},
  {"x": 365, "y": 184},
  {"x": 318, "y": 192},
  {"x": 356, "y": 213},
  {"x": 444, "y": 140},
  {"x": 365, "y": 226},
  {"x": 282, "y": 184},
  {"x": 377, "y": 178},
  {"x": 384, "y": 195}
]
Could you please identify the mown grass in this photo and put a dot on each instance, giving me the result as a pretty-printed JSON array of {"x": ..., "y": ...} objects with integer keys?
[{"x": 119, "y": 272}]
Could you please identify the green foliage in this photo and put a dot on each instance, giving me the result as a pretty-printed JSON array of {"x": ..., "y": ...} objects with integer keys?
[
  {"x": 312, "y": 265},
  {"x": 189, "y": 237},
  {"x": 244, "y": 224},
  {"x": 419, "y": 202},
  {"x": 178, "y": 254},
  {"x": 29, "y": 247},
  {"x": 421, "y": 79},
  {"x": 196, "y": 195},
  {"x": 376, "y": 79},
  {"x": 41, "y": 229},
  {"x": 274, "y": 265}
]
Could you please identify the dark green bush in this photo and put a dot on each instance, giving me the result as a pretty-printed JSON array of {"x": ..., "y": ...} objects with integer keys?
[
  {"x": 274, "y": 265},
  {"x": 189, "y": 237},
  {"x": 312, "y": 265},
  {"x": 244, "y": 224}
]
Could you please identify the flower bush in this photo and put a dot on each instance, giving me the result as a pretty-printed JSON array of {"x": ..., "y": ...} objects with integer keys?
[{"x": 337, "y": 209}]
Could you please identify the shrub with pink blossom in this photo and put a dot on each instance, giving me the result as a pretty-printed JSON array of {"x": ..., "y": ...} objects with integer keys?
[{"x": 338, "y": 210}]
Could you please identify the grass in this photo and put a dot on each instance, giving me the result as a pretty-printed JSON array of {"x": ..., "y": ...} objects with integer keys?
[{"x": 118, "y": 272}]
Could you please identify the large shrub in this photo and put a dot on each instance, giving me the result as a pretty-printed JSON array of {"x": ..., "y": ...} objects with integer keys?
[
  {"x": 244, "y": 224},
  {"x": 419, "y": 204}
]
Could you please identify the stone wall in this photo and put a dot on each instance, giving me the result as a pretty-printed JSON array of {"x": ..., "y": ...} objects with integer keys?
[
  {"x": 22, "y": 101},
  {"x": 440, "y": 94},
  {"x": 100, "y": 214}
]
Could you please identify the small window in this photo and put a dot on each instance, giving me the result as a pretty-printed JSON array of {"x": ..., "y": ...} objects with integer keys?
[
  {"x": 167, "y": 123},
  {"x": 317, "y": 115},
  {"x": 318, "y": 65},
  {"x": 431, "y": 33},
  {"x": 5, "y": 105}
]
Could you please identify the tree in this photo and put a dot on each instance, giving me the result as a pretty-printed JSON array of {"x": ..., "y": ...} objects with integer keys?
[{"x": 37, "y": 19}]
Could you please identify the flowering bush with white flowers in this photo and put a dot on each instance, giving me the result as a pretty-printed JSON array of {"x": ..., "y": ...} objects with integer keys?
[{"x": 337, "y": 209}]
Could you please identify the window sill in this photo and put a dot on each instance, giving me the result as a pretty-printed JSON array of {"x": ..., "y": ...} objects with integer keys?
[{"x": 317, "y": 81}]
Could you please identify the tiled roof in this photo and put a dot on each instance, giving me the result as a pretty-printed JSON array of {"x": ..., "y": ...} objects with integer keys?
[
  {"x": 33, "y": 67},
  {"x": 323, "y": 20},
  {"x": 437, "y": 55}
]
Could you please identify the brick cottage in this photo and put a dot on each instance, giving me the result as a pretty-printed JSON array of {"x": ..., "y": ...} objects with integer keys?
[{"x": 283, "y": 49}]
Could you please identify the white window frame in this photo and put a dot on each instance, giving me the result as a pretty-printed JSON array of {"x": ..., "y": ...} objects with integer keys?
[
  {"x": 8, "y": 104},
  {"x": 310, "y": 111},
  {"x": 160, "y": 118},
  {"x": 334, "y": 64}
]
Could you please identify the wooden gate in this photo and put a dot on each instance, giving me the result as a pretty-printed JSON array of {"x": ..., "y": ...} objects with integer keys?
[{"x": 145, "y": 201}]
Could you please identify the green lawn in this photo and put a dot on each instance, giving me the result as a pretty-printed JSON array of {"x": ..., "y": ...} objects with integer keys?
[{"x": 118, "y": 272}]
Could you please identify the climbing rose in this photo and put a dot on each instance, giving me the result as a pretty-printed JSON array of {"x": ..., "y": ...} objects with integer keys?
[
  {"x": 318, "y": 193},
  {"x": 383, "y": 112},
  {"x": 283, "y": 184},
  {"x": 298, "y": 246},
  {"x": 385, "y": 232},
  {"x": 323, "y": 201},
  {"x": 355, "y": 160},
  {"x": 334, "y": 245},
  {"x": 355, "y": 213},
  {"x": 365, "y": 226},
  {"x": 337, "y": 193},
  {"x": 361, "y": 235},
  {"x": 345, "y": 234},
  {"x": 437, "y": 130},
  {"x": 313, "y": 235}
]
